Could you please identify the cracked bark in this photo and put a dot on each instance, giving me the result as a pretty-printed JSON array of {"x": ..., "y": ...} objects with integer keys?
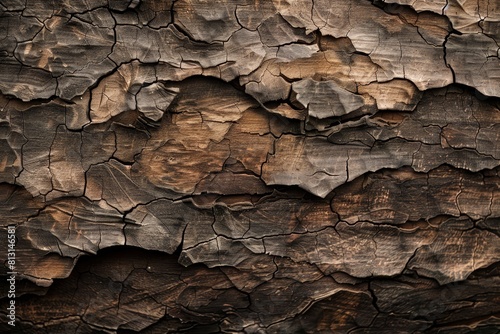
[{"x": 251, "y": 167}]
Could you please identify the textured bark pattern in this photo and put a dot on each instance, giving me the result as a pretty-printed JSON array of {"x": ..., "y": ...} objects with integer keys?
[{"x": 239, "y": 166}]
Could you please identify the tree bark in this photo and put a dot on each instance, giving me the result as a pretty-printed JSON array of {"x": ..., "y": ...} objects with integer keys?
[{"x": 308, "y": 166}]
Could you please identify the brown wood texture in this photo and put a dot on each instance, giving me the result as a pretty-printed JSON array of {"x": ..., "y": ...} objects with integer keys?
[{"x": 245, "y": 166}]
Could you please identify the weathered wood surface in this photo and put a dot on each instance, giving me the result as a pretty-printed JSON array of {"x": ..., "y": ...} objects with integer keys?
[{"x": 251, "y": 166}]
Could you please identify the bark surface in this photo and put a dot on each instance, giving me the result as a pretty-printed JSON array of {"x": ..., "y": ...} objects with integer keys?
[{"x": 239, "y": 166}]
